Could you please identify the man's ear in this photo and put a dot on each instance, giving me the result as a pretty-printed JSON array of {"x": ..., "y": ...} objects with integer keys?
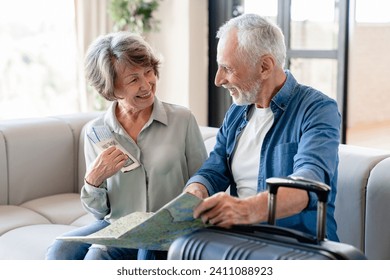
[{"x": 267, "y": 65}]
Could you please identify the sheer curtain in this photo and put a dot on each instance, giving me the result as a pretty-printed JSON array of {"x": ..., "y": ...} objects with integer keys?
[{"x": 92, "y": 20}]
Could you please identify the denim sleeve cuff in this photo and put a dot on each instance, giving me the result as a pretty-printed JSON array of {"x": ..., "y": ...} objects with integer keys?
[{"x": 200, "y": 179}]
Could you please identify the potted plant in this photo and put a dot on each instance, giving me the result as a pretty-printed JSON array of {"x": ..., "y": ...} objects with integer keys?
[{"x": 134, "y": 15}]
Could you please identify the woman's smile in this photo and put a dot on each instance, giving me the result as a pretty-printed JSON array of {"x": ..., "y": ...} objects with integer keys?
[{"x": 145, "y": 96}]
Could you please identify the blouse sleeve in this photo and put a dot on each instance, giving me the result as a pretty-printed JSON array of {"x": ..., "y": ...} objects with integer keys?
[{"x": 94, "y": 200}]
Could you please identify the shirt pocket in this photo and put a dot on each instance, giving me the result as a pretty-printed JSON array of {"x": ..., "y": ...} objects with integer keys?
[{"x": 283, "y": 159}]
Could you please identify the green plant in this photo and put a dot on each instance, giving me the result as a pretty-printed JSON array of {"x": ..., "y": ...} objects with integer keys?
[{"x": 134, "y": 15}]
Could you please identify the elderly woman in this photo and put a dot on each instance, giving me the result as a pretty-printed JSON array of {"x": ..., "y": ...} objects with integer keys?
[{"x": 163, "y": 140}]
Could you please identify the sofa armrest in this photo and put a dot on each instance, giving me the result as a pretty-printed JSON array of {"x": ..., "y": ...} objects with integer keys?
[
  {"x": 355, "y": 167},
  {"x": 377, "y": 229}
]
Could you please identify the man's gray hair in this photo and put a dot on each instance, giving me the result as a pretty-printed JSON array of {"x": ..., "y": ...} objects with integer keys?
[{"x": 256, "y": 36}]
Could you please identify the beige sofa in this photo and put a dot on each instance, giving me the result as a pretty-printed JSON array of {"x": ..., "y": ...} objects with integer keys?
[{"x": 42, "y": 168}]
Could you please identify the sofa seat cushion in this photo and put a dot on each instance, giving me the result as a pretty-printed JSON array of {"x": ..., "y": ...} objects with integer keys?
[
  {"x": 12, "y": 217},
  {"x": 27, "y": 230},
  {"x": 85, "y": 219},
  {"x": 58, "y": 209},
  {"x": 30, "y": 242}
]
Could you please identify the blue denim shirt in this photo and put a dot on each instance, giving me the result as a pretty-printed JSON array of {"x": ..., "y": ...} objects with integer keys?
[{"x": 303, "y": 141}]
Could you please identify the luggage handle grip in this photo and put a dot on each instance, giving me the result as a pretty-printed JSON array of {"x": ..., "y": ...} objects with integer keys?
[{"x": 320, "y": 189}]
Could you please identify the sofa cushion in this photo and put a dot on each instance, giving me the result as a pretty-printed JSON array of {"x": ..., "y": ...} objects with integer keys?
[
  {"x": 30, "y": 242},
  {"x": 209, "y": 137},
  {"x": 84, "y": 220},
  {"x": 3, "y": 172},
  {"x": 12, "y": 217},
  {"x": 40, "y": 158},
  {"x": 58, "y": 209}
]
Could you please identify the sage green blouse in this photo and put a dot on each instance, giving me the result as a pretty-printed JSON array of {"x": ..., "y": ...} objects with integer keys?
[{"x": 170, "y": 150}]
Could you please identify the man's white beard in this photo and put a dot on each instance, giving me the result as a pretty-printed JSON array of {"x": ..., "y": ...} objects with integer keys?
[{"x": 247, "y": 97}]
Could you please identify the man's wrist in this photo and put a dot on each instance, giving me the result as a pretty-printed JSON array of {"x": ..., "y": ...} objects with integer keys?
[{"x": 197, "y": 189}]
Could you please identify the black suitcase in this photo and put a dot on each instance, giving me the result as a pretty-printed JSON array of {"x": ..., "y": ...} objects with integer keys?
[{"x": 266, "y": 242}]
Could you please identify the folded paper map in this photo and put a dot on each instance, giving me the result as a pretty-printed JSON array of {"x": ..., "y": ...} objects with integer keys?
[{"x": 152, "y": 231}]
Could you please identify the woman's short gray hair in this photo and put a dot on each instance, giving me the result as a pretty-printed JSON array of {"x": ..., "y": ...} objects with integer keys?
[
  {"x": 257, "y": 36},
  {"x": 107, "y": 51}
]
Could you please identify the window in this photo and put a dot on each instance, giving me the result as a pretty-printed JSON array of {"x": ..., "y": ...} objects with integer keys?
[
  {"x": 314, "y": 44},
  {"x": 314, "y": 25},
  {"x": 38, "y": 71},
  {"x": 315, "y": 33},
  {"x": 265, "y": 8}
]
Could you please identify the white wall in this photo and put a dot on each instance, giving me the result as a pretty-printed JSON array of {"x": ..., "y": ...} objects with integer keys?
[{"x": 184, "y": 70}]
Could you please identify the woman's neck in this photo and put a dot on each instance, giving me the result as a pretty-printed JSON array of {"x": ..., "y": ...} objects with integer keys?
[{"x": 133, "y": 121}]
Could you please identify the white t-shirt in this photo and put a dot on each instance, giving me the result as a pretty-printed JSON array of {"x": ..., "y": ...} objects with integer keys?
[{"x": 246, "y": 158}]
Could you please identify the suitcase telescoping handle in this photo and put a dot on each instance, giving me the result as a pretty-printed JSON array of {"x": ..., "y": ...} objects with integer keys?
[{"x": 320, "y": 189}]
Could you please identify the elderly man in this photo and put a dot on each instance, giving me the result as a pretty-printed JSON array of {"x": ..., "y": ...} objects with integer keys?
[{"x": 275, "y": 128}]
